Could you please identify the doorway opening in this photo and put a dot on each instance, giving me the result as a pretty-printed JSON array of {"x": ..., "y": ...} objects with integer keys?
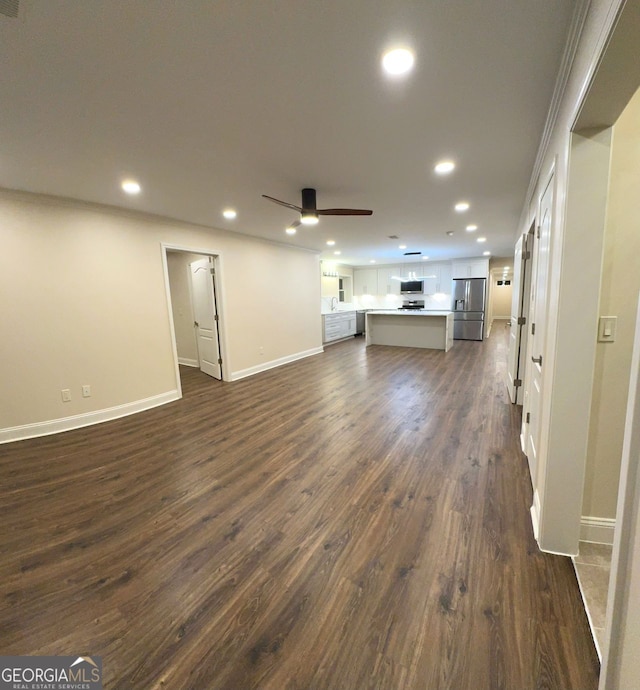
[{"x": 194, "y": 298}]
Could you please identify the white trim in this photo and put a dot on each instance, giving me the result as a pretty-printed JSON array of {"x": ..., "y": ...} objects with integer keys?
[
  {"x": 55, "y": 426},
  {"x": 597, "y": 530},
  {"x": 535, "y": 514},
  {"x": 243, "y": 373},
  {"x": 620, "y": 643},
  {"x": 188, "y": 362},
  {"x": 559, "y": 92},
  {"x": 220, "y": 302},
  {"x": 607, "y": 29},
  {"x": 172, "y": 328}
]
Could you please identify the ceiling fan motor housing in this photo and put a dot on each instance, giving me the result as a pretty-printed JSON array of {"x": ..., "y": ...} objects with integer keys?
[{"x": 309, "y": 199}]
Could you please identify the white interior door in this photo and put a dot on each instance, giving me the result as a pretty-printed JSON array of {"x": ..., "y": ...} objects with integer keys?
[
  {"x": 206, "y": 318},
  {"x": 537, "y": 332},
  {"x": 519, "y": 319}
]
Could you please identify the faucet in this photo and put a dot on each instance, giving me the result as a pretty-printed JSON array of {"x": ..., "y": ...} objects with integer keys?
[{"x": 334, "y": 305}]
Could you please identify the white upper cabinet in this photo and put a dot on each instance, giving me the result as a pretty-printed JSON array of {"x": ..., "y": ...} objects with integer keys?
[
  {"x": 471, "y": 268},
  {"x": 431, "y": 279},
  {"x": 437, "y": 277},
  {"x": 365, "y": 281},
  {"x": 387, "y": 285},
  {"x": 445, "y": 278}
]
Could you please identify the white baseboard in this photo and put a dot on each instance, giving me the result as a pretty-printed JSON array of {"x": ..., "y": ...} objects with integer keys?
[
  {"x": 597, "y": 530},
  {"x": 243, "y": 373},
  {"x": 188, "y": 362},
  {"x": 56, "y": 426}
]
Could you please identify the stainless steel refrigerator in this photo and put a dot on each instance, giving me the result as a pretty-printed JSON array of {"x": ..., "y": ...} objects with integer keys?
[{"x": 468, "y": 308}]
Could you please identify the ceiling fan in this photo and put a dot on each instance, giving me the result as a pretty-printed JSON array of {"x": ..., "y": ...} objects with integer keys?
[{"x": 309, "y": 212}]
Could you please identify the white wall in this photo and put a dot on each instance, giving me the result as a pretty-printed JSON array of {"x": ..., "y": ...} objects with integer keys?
[
  {"x": 83, "y": 301},
  {"x": 499, "y": 296},
  {"x": 620, "y": 282}
]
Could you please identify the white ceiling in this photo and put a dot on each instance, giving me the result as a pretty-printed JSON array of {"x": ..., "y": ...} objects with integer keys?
[{"x": 211, "y": 103}]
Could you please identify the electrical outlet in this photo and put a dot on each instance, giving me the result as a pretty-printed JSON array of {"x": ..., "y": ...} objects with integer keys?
[
  {"x": 66, "y": 395},
  {"x": 86, "y": 391}
]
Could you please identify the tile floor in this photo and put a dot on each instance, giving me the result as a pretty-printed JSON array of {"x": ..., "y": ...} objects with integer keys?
[{"x": 592, "y": 568}]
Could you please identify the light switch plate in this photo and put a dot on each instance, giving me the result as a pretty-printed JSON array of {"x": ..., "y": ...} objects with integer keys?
[{"x": 607, "y": 329}]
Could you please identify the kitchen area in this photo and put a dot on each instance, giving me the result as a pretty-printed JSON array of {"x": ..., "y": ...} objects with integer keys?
[{"x": 426, "y": 305}]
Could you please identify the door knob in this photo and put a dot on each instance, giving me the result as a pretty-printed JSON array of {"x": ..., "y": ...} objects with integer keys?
[{"x": 537, "y": 360}]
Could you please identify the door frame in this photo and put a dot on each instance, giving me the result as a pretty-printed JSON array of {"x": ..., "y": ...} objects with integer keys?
[
  {"x": 216, "y": 254},
  {"x": 549, "y": 180},
  {"x": 522, "y": 291}
]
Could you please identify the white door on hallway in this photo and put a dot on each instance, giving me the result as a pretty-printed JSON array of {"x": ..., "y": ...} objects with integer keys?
[
  {"x": 518, "y": 321},
  {"x": 537, "y": 332},
  {"x": 206, "y": 318}
]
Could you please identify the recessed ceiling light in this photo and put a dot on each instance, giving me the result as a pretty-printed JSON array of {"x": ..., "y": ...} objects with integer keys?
[
  {"x": 444, "y": 167},
  {"x": 462, "y": 206},
  {"x": 402, "y": 246},
  {"x": 131, "y": 187},
  {"x": 331, "y": 242},
  {"x": 372, "y": 261},
  {"x": 471, "y": 228},
  {"x": 486, "y": 253},
  {"x": 229, "y": 213},
  {"x": 506, "y": 268},
  {"x": 450, "y": 233},
  {"x": 290, "y": 231},
  {"x": 424, "y": 258},
  {"x": 481, "y": 239},
  {"x": 397, "y": 61},
  {"x": 337, "y": 253}
]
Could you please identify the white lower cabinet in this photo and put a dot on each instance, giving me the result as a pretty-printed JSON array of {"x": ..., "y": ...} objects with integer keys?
[{"x": 338, "y": 325}]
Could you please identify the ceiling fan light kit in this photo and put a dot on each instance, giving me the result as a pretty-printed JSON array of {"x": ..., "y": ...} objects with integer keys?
[{"x": 309, "y": 218}]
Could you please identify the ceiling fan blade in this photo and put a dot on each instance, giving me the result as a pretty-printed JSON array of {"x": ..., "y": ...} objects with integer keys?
[
  {"x": 343, "y": 212},
  {"x": 283, "y": 203}
]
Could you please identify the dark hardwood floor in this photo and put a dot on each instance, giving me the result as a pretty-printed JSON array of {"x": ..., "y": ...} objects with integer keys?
[{"x": 358, "y": 519}]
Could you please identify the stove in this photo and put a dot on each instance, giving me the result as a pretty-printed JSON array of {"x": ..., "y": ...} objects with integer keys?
[{"x": 410, "y": 304}]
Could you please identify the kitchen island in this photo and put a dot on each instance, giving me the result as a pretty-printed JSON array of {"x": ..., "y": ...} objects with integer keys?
[{"x": 410, "y": 328}]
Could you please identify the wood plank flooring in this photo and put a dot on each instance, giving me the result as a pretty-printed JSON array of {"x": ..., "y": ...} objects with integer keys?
[{"x": 358, "y": 519}]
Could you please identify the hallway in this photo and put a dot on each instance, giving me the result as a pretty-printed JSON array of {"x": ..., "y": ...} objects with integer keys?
[{"x": 357, "y": 519}]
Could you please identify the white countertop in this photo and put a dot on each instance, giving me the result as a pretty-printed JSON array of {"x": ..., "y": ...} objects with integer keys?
[
  {"x": 324, "y": 312},
  {"x": 409, "y": 312}
]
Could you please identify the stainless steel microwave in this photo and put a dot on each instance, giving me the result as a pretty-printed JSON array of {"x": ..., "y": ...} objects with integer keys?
[{"x": 411, "y": 287}]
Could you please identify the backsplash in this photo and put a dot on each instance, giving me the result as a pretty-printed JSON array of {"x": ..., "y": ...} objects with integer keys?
[{"x": 439, "y": 301}]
